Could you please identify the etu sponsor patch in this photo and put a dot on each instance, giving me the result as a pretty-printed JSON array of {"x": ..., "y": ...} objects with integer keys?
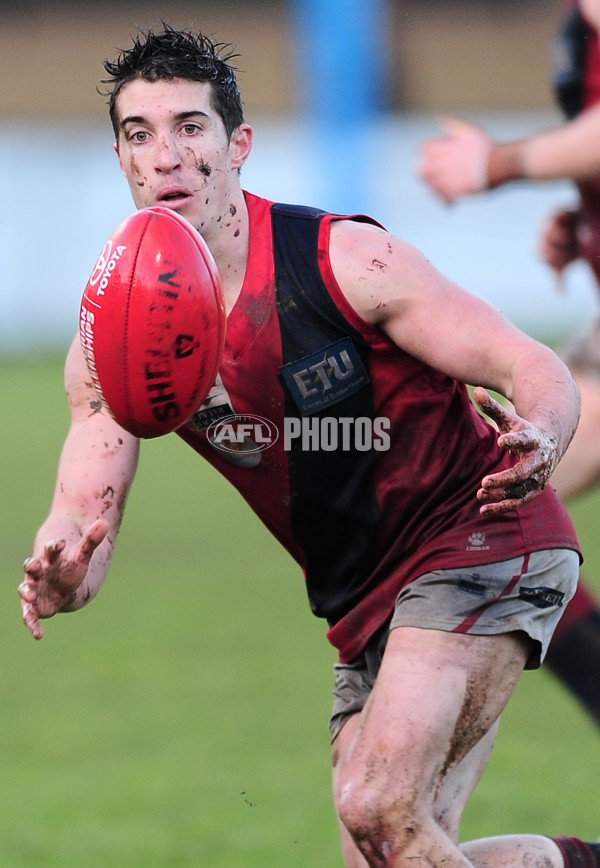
[{"x": 325, "y": 377}]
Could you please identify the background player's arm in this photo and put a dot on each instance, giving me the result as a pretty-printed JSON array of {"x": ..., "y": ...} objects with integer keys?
[
  {"x": 73, "y": 546},
  {"x": 467, "y": 160},
  {"x": 434, "y": 320}
]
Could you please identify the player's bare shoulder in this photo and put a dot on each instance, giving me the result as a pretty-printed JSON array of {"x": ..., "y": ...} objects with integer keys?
[{"x": 376, "y": 270}]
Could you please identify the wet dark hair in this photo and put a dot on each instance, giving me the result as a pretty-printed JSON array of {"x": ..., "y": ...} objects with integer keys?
[{"x": 167, "y": 54}]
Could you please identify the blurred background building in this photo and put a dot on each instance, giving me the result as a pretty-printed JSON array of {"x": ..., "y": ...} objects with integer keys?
[
  {"x": 321, "y": 137},
  {"x": 442, "y": 55}
]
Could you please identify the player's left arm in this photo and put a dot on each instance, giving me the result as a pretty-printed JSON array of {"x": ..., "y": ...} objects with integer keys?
[
  {"x": 73, "y": 547},
  {"x": 460, "y": 334}
]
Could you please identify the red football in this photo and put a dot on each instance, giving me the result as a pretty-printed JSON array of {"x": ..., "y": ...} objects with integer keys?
[{"x": 152, "y": 322}]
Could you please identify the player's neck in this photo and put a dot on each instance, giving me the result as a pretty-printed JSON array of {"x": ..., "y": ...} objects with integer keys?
[{"x": 228, "y": 243}]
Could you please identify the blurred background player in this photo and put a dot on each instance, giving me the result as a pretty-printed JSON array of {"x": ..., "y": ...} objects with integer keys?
[{"x": 467, "y": 161}]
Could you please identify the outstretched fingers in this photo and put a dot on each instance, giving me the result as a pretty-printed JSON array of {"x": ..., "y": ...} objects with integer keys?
[
  {"x": 52, "y": 578},
  {"x": 31, "y": 619},
  {"x": 503, "y": 418},
  {"x": 27, "y": 591},
  {"x": 53, "y": 549},
  {"x": 536, "y": 451},
  {"x": 499, "y": 493}
]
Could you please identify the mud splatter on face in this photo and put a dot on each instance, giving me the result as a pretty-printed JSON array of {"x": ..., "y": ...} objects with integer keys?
[
  {"x": 141, "y": 181},
  {"x": 203, "y": 167}
]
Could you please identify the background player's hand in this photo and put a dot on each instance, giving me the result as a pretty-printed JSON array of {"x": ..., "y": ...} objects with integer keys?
[
  {"x": 53, "y": 577},
  {"x": 559, "y": 243},
  {"x": 456, "y": 164},
  {"x": 538, "y": 457}
]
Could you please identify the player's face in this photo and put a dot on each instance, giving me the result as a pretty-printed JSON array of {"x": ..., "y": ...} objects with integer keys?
[{"x": 174, "y": 151}]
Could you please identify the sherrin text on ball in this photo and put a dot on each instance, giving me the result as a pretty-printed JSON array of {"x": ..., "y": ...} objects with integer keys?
[{"x": 152, "y": 322}]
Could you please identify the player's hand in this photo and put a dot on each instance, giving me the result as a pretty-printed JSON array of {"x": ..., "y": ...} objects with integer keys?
[
  {"x": 456, "y": 164},
  {"x": 559, "y": 239},
  {"x": 538, "y": 457},
  {"x": 53, "y": 577}
]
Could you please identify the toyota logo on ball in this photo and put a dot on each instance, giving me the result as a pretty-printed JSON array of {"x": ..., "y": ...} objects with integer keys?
[
  {"x": 242, "y": 433},
  {"x": 101, "y": 264}
]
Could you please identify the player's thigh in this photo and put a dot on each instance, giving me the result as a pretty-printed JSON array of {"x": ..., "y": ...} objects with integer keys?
[
  {"x": 458, "y": 784},
  {"x": 436, "y": 696}
]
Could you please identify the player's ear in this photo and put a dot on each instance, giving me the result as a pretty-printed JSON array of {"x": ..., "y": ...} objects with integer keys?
[
  {"x": 240, "y": 145},
  {"x": 118, "y": 153}
]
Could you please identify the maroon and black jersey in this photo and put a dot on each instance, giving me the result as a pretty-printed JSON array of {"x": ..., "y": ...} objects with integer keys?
[
  {"x": 363, "y": 461},
  {"x": 576, "y": 77},
  {"x": 576, "y": 63}
]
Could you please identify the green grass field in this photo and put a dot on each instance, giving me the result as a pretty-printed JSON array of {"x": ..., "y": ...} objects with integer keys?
[{"x": 180, "y": 720}]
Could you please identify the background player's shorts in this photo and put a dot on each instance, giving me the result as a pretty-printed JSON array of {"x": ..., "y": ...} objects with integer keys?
[
  {"x": 581, "y": 353},
  {"x": 526, "y": 594}
]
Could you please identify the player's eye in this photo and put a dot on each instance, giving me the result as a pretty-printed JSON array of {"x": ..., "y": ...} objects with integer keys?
[
  {"x": 138, "y": 136},
  {"x": 190, "y": 129}
]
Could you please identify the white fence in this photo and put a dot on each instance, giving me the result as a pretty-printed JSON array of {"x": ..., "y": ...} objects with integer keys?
[{"x": 63, "y": 193}]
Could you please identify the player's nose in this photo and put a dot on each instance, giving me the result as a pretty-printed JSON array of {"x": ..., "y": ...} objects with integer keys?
[{"x": 167, "y": 155}]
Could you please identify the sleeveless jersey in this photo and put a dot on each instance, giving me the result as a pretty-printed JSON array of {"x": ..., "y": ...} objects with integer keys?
[
  {"x": 362, "y": 461},
  {"x": 576, "y": 78}
]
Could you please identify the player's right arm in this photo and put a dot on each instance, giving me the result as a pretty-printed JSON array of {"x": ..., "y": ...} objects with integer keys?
[
  {"x": 467, "y": 160},
  {"x": 73, "y": 547}
]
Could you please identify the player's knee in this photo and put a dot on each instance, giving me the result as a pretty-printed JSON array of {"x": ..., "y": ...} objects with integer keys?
[{"x": 378, "y": 818}]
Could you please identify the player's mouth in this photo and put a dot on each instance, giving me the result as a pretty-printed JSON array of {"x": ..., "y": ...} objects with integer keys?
[{"x": 174, "y": 197}]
